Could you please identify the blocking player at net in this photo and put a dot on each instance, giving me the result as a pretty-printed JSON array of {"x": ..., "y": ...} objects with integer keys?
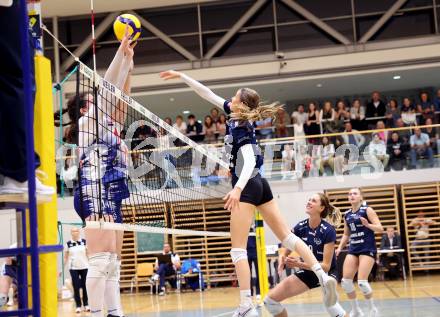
[
  {"x": 103, "y": 182},
  {"x": 250, "y": 189}
]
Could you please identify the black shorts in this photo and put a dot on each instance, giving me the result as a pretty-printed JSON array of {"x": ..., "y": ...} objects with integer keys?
[
  {"x": 367, "y": 253},
  {"x": 256, "y": 192},
  {"x": 309, "y": 277}
]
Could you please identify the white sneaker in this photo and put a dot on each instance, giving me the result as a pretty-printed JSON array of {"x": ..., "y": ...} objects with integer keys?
[
  {"x": 330, "y": 293},
  {"x": 259, "y": 302},
  {"x": 245, "y": 311},
  {"x": 87, "y": 309},
  {"x": 356, "y": 313},
  {"x": 374, "y": 312},
  {"x": 11, "y": 186},
  {"x": 78, "y": 310}
]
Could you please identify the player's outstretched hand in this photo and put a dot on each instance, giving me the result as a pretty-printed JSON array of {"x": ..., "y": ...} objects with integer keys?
[
  {"x": 170, "y": 74},
  {"x": 127, "y": 45},
  {"x": 364, "y": 221}
]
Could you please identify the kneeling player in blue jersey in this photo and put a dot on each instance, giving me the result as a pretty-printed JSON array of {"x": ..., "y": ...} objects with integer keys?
[{"x": 320, "y": 236}]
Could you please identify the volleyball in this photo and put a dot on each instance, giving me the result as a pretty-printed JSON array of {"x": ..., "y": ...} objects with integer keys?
[{"x": 134, "y": 26}]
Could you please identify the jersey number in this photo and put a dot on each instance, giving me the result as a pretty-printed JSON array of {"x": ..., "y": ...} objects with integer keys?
[{"x": 352, "y": 227}]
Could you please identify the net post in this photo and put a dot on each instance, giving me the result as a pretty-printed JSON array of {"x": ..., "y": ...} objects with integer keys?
[
  {"x": 261, "y": 255},
  {"x": 44, "y": 129}
]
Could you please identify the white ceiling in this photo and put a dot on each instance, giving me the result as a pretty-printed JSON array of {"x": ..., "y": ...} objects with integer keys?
[
  {"x": 162, "y": 105},
  {"x": 79, "y": 7}
]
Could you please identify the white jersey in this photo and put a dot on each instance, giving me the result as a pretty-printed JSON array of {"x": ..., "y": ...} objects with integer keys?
[{"x": 77, "y": 255}]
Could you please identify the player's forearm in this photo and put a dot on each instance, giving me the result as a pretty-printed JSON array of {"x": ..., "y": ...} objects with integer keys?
[
  {"x": 203, "y": 91},
  {"x": 343, "y": 243},
  {"x": 375, "y": 227}
]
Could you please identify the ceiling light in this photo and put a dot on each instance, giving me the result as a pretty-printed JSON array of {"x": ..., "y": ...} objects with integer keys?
[
  {"x": 172, "y": 99},
  {"x": 396, "y": 77},
  {"x": 319, "y": 85},
  {"x": 186, "y": 111}
]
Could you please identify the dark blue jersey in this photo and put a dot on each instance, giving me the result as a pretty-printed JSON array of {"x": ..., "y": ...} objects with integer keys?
[
  {"x": 239, "y": 133},
  {"x": 316, "y": 238},
  {"x": 361, "y": 238}
]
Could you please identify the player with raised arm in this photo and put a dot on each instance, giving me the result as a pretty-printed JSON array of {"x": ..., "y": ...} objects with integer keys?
[{"x": 250, "y": 189}]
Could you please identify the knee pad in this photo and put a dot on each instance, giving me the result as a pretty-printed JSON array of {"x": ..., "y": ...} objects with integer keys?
[
  {"x": 113, "y": 268},
  {"x": 238, "y": 254},
  {"x": 336, "y": 310},
  {"x": 347, "y": 285},
  {"x": 99, "y": 265},
  {"x": 290, "y": 241},
  {"x": 272, "y": 306},
  {"x": 365, "y": 287}
]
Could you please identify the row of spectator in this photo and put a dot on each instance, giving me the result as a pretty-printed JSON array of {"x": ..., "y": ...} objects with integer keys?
[{"x": 314, "y": 121}]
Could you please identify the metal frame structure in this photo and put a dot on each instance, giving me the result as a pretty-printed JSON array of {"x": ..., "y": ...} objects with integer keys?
[
  {"x": 214, "y": 54},
  {"x": 27, "y": 222}
]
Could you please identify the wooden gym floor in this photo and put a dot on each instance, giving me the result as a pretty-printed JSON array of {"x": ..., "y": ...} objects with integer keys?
[{"x": 415, "y": 297}]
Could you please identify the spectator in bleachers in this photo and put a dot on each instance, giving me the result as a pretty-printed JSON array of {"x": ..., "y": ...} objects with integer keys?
[
  {"x": 209, "y": 130},
  {"x": 180, "y": 125},
  {"x": 357, "y": 115},
  {"x": 408, "y": 112},
  {"x": 420, "y": 146},
  {"x": 339, "y": 159},
  {"x": 312, "y": 124},
  {"x": 300, "y": 115},
  {"x": 403, "y": 134},
  {"x": 393, "y": 113},
  {"x": 383, "y": 135},
  {"x": 288, "y": 162},
  {"x": 327, "y": 155},
  {"x": 397, "y": 149},
  {"x": 166, "y": 269},
  {"x": 215, "y": 115},
  {"x": 342, "y": 115},
  {"x": 298, "y": 132},
  {"x": 354, "y": 138},
  {"x": 194, "y": 129},
  {"x": 264, "y": 129},
  {"x": 437, "y": 106},
  {"x": 221, "y": 126},
  {"x": 375, "y": 109},
  {"x": 378, "y": 149},
  {"x": 421, "y": 242},
  {"x": 433, "y": 135},
  {"x": 391, "y": 240},
  {"x": 327, "y": 118},
  {"x": 282, "y": 120},
  {"x": 425, "y": 107},
  {"x": 168, "y": 120}
]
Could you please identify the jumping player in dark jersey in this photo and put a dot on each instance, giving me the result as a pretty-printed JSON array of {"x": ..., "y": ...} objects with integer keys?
[
  {"x": 361, "y": 222},
  {"x": 250, "y": 189},
  {"x": 318, "y": 232}
]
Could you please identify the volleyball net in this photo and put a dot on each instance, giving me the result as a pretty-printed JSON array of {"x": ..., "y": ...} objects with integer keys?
[{"x": 118, "y": 154}]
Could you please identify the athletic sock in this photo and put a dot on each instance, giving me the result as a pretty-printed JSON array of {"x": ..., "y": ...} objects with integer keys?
[
  {"x": 354, "y": 304},
  {"x": 245, "y": 297},
  {"x": 370, "y": 302},
  {"x": 320, "y": 274}
]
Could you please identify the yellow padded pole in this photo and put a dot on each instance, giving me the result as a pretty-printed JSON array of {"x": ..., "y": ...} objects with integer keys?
[
  {"x": 44, "y": 131},
  {"x": 261, "y": 255}
]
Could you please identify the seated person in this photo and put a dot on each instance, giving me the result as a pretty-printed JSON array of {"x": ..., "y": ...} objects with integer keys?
[
  {"x": 420, "y": 146},
  {"x": 378, "y": 150},
  {"x": 397, "y": 149},
  {"x": 8, "y": 278},
  {"x": 391, "y": 240},
  {"x": 327, "y": 155},
  {"x": 190, "y": 271},
  {"x": 166, "y": 269}
]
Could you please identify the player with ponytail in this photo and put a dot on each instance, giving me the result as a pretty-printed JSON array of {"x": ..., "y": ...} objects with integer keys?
[
  {"x": 318, "y": 231},
  {"x": 250, "y": 189}
]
